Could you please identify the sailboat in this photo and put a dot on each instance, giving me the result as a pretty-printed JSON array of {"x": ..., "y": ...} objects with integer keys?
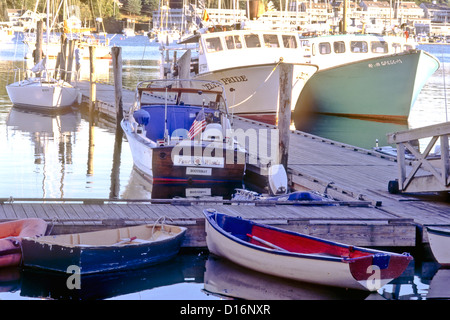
[{"x": 43, "y": 92}]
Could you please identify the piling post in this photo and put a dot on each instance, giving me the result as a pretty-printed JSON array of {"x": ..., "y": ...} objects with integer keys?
[
  {"x": 92, "y": 78},
  {"x": 37, "y": 54},
  {"x": 286, "y": 71},
  {"x": 116, "y": 53},
  {"x": 70, "y": 60}
]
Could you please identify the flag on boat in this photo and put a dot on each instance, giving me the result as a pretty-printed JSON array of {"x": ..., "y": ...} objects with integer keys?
[
  {"x": 205, "y": 16},
  {"x": 198, "y": 125}
]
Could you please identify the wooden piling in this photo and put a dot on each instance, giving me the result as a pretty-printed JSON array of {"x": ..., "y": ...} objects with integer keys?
[
  {"x": 92, "y": 77},
  {"x": 70, "y": 60},
  {"x": 284, "y": 111},
  {"x": 116, "y": 53},
  {"x": 37, "y": 54}
]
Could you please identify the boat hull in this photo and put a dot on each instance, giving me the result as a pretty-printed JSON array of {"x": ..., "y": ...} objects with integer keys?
[
  {"x": 11, "y": 234},
  {"x": 382, "y": 88},
  {"x": 50, "y": 253},
  {"x": 190, "y": 163},
  {"x": 355, "y": 273},
  {"x": 255, "y": 89},
  {"x": 41, "y": 95},
  {"x": 440, "y": 244}
]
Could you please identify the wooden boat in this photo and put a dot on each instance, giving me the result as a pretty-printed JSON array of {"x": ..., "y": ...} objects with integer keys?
[
  {"x": 440, "y": 244},
  {"x": 300, "y": 257},
  {"x": 106, "y": 250},
  {"x": 11, "y": 235},
  {"x": 179, "y": 134}
]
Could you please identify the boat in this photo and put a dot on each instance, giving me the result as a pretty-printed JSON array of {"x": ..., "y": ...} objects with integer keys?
[
  {"x": 42, "y": 92},
  {"x": 300, "y": 257},
  {"x": 364, "y": 76},
  {"x": 11, "y": 235},
  {"x": 440, "y": 243},
  {"x": 45, "y": 91},
  {"x": 179, "y": 134},
  {"x": 104, "y": 250},
  {"x": 247, "y": 63}
]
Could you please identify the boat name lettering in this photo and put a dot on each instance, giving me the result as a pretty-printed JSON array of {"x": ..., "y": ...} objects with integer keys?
[
  {"x": 74, "y": 280},
  {"x": 385, "y": 63},
  {"x": 225, "y": 81},
  {"x": 199, "y": 171},
  {"x": 214, "y": 162}
]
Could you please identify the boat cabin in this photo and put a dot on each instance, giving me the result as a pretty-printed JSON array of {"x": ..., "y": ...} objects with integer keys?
[
  {"x": 165, "y": 122},
  {"x": 229, "y": 49},
  {"x": 328, "y": 51}
]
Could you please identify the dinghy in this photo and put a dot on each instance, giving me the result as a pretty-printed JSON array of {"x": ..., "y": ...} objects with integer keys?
[
  {"x": 105, "y": 250},
  {"x": 440, "y": 244},
  {"x": 300, "y": 257},
  {"x": 11, "y": 234}
]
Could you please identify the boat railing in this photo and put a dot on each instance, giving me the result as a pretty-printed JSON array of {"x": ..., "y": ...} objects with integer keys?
[{"x": 21, "y": 74}]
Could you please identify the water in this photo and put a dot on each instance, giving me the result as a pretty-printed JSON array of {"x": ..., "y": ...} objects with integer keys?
[{"x": 63, "y": 157}]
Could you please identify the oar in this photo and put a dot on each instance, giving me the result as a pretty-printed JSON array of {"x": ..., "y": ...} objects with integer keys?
[{"x": 267, "y": 243}]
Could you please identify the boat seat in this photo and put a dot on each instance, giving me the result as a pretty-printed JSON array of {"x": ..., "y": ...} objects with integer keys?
[
  {"x": 213, "y": 132},
  {"x": 179, "y": 134}
]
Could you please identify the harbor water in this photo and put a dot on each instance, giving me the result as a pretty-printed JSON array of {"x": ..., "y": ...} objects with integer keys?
[{"x": 62, "y": 156}]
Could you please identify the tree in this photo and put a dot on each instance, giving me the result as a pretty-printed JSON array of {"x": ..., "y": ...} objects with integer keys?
[{"x": 133, "y": 7}]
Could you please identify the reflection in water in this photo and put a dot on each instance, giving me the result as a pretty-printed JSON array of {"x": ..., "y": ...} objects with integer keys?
[
  {"x": 52, "y": 136},
  {"x": 140, "y": 187},
  {"x": 226, "y": 279},
  {"x": 357, "y": 132},
  {"x": 33, "y": 283}
]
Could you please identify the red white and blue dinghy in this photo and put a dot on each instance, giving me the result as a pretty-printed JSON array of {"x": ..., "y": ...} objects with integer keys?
[{"x": 300, "y": 257}]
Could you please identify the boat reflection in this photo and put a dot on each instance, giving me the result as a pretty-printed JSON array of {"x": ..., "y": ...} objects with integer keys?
[
  {"x": 439, "y": 286},
  {"x": 140, "y": 187},
  {"x": 52, "y": 285},
  {"x": 228, "y": 280},
  {"x": 357, "y": 132}
]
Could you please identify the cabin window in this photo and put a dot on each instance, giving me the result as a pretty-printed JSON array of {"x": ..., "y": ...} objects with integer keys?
[
  {"x": 408, "y": 47},
  {"x": 252, "y": 41},
  {"x": 289, "y": 41},
  {"x": 396, "y": 47},
  {"x": 213, "y": 44},
  {"x": 324, "y": 48},
  {"x": 313, "y": 49},
  {"x": 379, "y": 47},
  {"x": 271, "y": 41},
  {"x": 339, "y": 46},
  {"x": 233, "y": 42},
  {"x": 359, "y": 46}
]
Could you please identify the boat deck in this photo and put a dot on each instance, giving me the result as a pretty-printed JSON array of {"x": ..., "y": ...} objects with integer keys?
[{"x": 368, "y": 215}]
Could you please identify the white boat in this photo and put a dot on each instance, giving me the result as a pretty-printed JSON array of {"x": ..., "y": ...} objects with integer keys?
[
  {"x": 365, "y": 76},
  {"x": 247, "y": 63},
  {"x": 300, "y": 257},
  {"x": 43, "y": 93},
  {"x": 440, "y": 244},
  {"x": 180, "y": 135}
]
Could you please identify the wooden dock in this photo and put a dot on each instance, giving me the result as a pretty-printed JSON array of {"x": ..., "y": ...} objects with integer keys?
[{"x": 366, "y": 214}]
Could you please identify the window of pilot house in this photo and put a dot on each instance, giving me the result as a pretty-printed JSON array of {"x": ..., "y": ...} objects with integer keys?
[
  {"x": 408, "y": 47},
  {"x": 252, "y": 41},
  {"x": 339, "y": 46},
  {"x": 213, "y": 44},
  {"x": 397, "y": 47},
  {"x": 324, "y": 48},
  {"x": 233, "y": 42},
  {"x": 379, "y": 47},
  {"x": 289, "y": 41},
  {"x": 271, "y": 41},
  {"x": 358, "y": 46}
]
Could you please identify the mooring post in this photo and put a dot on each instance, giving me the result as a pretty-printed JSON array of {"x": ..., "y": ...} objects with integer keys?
[
  {"x": 116, "y": 53},
  {"x": 92, "y": 78},
  {"x": 284, "y": 111},
  {"x": 37, "y": 54},
  {"x": 70, "y": 60}
]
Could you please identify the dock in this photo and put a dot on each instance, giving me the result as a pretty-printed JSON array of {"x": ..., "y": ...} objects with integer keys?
[{"x": 365, "y": 214}]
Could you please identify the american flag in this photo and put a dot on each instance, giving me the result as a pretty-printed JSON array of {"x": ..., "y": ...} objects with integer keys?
[{"x": 198, "y": 125}]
